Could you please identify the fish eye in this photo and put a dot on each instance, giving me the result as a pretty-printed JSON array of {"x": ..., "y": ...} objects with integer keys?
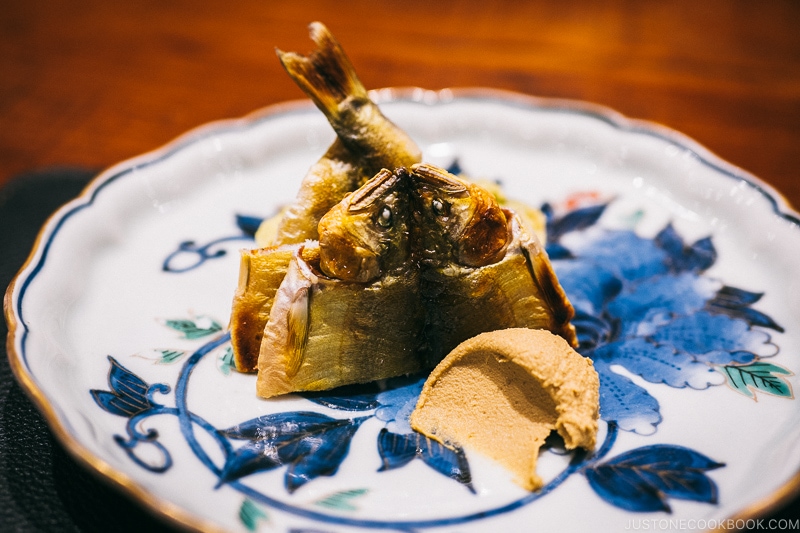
[
  {"x": 385, "y": 217},
  {"x": 440, "y": 208}
]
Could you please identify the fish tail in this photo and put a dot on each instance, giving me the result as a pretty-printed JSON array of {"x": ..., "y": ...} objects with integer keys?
[
  {"x": 298, "y": 325},
  {"x": 326, "y": 75}
]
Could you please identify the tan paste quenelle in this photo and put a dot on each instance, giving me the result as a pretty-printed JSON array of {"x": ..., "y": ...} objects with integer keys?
[{"x": 501, "y": 393}]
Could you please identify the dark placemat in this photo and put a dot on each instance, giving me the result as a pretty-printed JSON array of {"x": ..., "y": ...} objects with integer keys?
[{"x": 42, "y": 488}]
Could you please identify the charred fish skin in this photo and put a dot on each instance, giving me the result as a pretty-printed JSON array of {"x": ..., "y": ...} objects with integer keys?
[
  {"x": 481, "y": 270},
  {"x": 348, "y": 310},
  {"x": 366, "y": 140},
  {"x": 332, "y": 333}
]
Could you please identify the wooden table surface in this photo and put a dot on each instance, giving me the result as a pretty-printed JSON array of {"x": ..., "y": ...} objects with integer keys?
[{"x": 92, "y": 83}]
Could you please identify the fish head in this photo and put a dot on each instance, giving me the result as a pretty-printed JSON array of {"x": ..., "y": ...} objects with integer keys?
[
  {"x": 367, "y": 233},
  {"x": 455, "y": 220}
]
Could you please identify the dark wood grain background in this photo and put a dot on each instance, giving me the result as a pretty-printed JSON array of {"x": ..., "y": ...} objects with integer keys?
[{"x": 91, "y": 83}]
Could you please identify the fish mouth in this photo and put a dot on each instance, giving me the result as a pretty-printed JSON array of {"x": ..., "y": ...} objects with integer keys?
[
  {"x": 439, "y": 179},
  {"x": 351, "y": 262}
]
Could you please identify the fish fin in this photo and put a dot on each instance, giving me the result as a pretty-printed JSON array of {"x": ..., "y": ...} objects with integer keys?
[
  {"x": 298, "y": 326},
  {"x": 552, "y": 292},
  {"x": 326, "y": 75}
]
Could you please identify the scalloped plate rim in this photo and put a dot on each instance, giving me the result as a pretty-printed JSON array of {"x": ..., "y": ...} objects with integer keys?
[{"x": 175, "y": 513}]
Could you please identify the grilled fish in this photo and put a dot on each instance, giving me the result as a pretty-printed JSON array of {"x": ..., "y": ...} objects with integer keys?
[
  {"x": 366, "y": 142},
  {"x": 356, "y": 286},
  {"x": 481, "y": 270},
  {"x": 348, "y": 309}
]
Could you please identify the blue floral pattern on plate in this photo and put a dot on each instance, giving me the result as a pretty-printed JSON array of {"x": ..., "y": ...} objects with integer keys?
[{"x": 644, "y": 305}]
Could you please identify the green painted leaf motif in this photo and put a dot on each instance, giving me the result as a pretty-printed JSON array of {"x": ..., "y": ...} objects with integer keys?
[
  {"x": 632, "y": 220},
  {"x": 167, "y": 357},
  {"x": 194, "y": 329},
  {"x": 225, "y": 362},
  {"x": 251, "y": 514},
  {"x": 342, "y": 500},
  {"x": 758, "y": 377}
]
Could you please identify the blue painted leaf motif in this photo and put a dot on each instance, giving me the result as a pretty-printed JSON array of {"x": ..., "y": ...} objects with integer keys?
[
  {"x": 623, "y": 253},
  {"x": 680, "y": 258},
  {"x": 397, "y": 450},
  {"x": 736, "y": 304},
  {"x": 758, "y": 377},
  {"x": 455, "y": 167},
  {"x": 658, "y": 298},
  {"x": 590, "y": 287},
  {"x": 578, "y": 219},
  {"x": 398, "y": 401},
  {"x": 708, "y": 337},
  {"x": 129, "y": 394},
  {"x": 657, "y": 364},
  {"x": 556, "y": 250},
  {"x": 729, "y": 296},
  {"x": 249, "y": 224},
  {"x": 310, "y": 444},
  {"x": 361, "y": 397},
  {"x": 643, "y": 304},
  {"x": 593, "y": 331},
  {"x": 624, "y": 402},
  {"x": 643, "y": 479},
  {"x": 194, "y": 329}
]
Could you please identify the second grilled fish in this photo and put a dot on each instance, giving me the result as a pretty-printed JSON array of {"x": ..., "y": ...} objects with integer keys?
[
  {"x": 481, "y": 270},
  {"x": 348, "y": 310}
]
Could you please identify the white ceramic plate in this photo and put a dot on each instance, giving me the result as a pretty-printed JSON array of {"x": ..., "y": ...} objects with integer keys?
[{"x": 684, "y": 281}]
